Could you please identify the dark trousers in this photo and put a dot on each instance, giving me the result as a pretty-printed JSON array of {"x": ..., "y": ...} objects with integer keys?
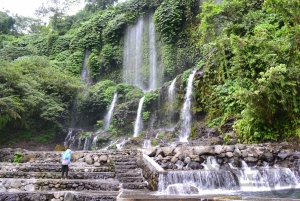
[{"x": 64, "y": 169}]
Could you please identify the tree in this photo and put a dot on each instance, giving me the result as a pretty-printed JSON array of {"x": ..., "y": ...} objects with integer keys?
[
  {"x": 95, "y": 5},
  {"x": 6, "y": 23},
  {"x": 56, "y": 10}
]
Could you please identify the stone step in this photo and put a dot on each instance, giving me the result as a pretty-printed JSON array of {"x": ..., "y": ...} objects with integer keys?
[
  {"x": 125, "y": 163},
  {"x": 15, "y": 185},
  {"x": 125, "y": 166},
  {"x": 60, "y": 195},
  {"x": 128, "y": 174},
  {"x": 125, "y": 159},
  {"x": 131, "y": 179},
  {"x": 57, "y": 175},
  {"x": 134, "y": 185}
]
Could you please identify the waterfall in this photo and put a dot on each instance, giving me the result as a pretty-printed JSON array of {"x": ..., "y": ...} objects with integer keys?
[
  {"x": 138, "y": 126},
  {"x": 140, "y": 62},
  {"x": 87, "y": 142},
  {"x": 132, "y": 54},
  {"x": 85, "y": 75},
  {"x": 171, "y": 99},
  {"x": 147, "y": 143},
  {"x": 70, "y": 139},
  {"x": 265, "y": 178},
  {"x": 248, "y": 180},
  {"x": 185, "y": 112},
  {"x": 108, "y": 116},
  {"x": 152, "y": 55},
  {"x": 194, "y": 182},
  {"x": 94, "y": 142}
]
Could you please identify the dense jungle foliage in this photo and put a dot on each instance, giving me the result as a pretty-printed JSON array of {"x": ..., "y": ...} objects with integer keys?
[{"x": 248, "y": 52}]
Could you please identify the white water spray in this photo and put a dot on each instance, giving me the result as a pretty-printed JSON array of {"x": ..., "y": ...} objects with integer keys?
[
  {"x": 185, "y": 112},
  {"x": 108, "y": 116},
  {"x": 138, "y": 126}
]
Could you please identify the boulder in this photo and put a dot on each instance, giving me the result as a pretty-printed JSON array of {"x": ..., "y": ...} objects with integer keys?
[
  {"x": 201, "y": 150},
  {"x": 219, "y": 149},
  {"x": 168, "y": 151},
  {"x": 103, "y": 158}
]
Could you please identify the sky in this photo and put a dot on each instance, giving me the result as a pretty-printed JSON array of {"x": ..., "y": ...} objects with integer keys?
[
  {"x": 23, "y": 7},
  {"x": 27, "y": 7}
]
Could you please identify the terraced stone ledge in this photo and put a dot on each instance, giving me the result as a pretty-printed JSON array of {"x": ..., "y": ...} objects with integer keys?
[
  {"x": 57, "y": 175},
  {"x": 60, "y": 195},
  {"x": 31, "y": 185},
  {"x": 51, "y": 167}
]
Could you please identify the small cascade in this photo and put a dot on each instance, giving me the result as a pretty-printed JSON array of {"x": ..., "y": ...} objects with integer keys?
[
  {"x": 87, "y": 142},
  {"x": 113, "y": 142},
  {"x": 147, "y": 143},
  {"x": 196, "y": 182},
  {"x": 121, "y": 144},
  {"x": 94, "y": 142},
  {"x": 108, "y": 116},
  {"x": 211, "y": 164},
  {"x": 138, "y": 126},
  {"x": 185, "y": 112},
  {"x": 266, "y": 178},
  {"x": 85, "y": 76},
  {"x": 171, "y": 99},
  {"x": 70, "y": 139}
]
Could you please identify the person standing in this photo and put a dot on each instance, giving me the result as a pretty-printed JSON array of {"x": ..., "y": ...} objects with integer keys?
[{"x": 65, "y": 162}]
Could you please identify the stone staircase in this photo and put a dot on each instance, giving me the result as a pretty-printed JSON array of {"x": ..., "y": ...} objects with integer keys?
[
  {"x": 94, "y": 175},
  {"x": 127, "y": 173}
]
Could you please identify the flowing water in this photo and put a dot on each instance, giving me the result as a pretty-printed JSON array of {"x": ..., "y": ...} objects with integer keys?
[
  {"x": 140, "y": 63},
  {"x": 87, "y": 142},
  {"x": 171, "y": 99},
  {"x": 108, "y": 116},
  {"x": 185, "y": 112},
  {"x": 263, "y": 181},
  {"x": 138, "y": 126},
  {"x": 152, "y": 56},
  {"x": 70, "y": 139}
]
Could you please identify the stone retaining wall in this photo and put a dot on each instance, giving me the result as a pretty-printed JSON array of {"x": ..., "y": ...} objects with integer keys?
[
  {"x": 15, "y": 185},
  {"x": 187, "y": 157}
]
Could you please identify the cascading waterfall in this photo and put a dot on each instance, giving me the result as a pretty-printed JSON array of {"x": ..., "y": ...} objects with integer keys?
[
  {"x": 266, "y": 178},
  {"x": 213, "y": 179},
  {"x": 194, "y": 182},
  {"x": 185, "y": 112},
  {"x": 147, "y": 143},
  {"x": 171, "y": 99},
  {"x": 140, "y": 65},
  {"x": 108, "y": 116},
  {"x": 94, "y": 142},
  {"x": 87, "y": 142},
  {"x": 85, "y": 75},
  {"x": 138, "y": 126},
  {"x": 132, "y": 56},
  {"x": 70, "y": 139}
]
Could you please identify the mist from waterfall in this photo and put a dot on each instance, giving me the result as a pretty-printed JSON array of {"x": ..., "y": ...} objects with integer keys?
[
  {"x": 108, "y": 116},
  {"x": 140, "y": 63},
  {"x": 186, "y": 110},
  {"x": 138, "y": 126}
]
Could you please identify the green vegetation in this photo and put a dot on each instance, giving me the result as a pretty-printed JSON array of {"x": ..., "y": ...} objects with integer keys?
[
  {"x": 18, "y": 157},
  {"x": 248, "y": 52}
]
